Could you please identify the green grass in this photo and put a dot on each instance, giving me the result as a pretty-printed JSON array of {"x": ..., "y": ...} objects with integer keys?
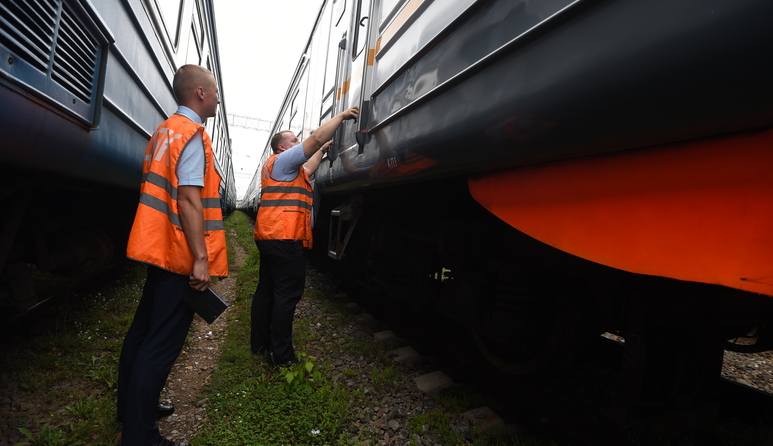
[
  {"x": 68, "y": 363},
  {"x": 70, "y": 357},
  {"x": 252, "y": 403},
  {"x": 438, "y": 421}
]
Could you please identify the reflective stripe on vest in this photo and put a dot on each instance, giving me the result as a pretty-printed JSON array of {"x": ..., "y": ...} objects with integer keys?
[
  {"x": 284, "y": 212},
  {"x": 163, "y": 206},
  {"x": 157, "y": 237}
]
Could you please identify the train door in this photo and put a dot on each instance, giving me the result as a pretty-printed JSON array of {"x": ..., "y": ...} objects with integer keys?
[
  {"x": 317, "y": 53},
  {"x": 332, "y": 59},
  {"x": 362, "y": 59},
  {"x": 344, "y": 11}
]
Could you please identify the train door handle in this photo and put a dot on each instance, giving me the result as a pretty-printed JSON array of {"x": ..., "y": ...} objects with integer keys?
[{"x": 362, "y": 137}]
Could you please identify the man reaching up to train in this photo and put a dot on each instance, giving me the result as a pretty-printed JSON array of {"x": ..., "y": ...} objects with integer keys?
[
  {"x": 282, "y": 230},
  {"x": 178, "y": 232}
]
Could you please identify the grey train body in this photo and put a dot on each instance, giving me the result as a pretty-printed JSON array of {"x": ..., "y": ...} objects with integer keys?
[{"x": 461, "y": 102}]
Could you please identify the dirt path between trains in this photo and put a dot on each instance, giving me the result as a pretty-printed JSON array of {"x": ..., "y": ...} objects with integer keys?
[{"x": 196, "y": 363}]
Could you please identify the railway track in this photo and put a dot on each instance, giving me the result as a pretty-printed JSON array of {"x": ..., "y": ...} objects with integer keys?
[
  {"x": 571, "y": 405},
  {"x": 577, "y": 402}
]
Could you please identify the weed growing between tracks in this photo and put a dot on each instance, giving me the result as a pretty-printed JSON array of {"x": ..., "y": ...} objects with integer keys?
[
  {"x": 59, "y": 372},
  {"x": 254, "y": 403},
  {"x": 60, "y": 366}
]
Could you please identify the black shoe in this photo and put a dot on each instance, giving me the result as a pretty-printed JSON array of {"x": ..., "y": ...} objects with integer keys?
[
  {"x": 287, "y": 363},
  {"x": 165, "y": 442},
  {"x": 164, "y": 411}
]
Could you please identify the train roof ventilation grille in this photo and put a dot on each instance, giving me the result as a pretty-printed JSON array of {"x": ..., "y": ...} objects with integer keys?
[
  {"x": 75, "y": 62},
  {"x": 27, "y": 28}
]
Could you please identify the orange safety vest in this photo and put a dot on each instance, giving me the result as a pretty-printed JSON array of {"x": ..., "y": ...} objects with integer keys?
[
  {"x": 157, "y": 236},
  {"x": 284, "y": 212}
]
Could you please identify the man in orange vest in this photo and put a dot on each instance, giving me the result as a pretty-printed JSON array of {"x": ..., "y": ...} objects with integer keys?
[
  {"x": 282, "y": 230},
  {"x": 178, "y": 232}
]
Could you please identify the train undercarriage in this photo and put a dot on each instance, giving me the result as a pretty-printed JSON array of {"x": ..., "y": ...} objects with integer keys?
[
  {"x": 53, "y": 233},
  {"x": 531, "y": 308}
]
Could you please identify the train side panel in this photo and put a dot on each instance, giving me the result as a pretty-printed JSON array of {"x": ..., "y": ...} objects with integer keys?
[{"x": 485, "y": 86}]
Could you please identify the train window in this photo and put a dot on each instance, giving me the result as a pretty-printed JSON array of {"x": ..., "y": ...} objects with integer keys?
[
  {"x": 339, "y": 6},
  {"x": 170, "y": 15},
  {"x": 326, "y": 115},
  {"x": 194, "y": 54},
  {"x": 293, "y": 112},
  {"x": 389, "y": 9},
  {"x": 285, "y": 120},
  {"x": 361, "y": 29},
  {"x": 197, "y": 26},
  {"x": 213, "y": 130},
  {"x": 330, "y": 73}
]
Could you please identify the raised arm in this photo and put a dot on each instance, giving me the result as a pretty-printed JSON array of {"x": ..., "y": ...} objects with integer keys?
[
  {"x": 312, "y": 164},
  {"x": 326, "y": 131}
]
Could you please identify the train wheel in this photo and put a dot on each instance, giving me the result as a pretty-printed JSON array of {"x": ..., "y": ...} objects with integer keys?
[{"x": 532, "y": 324}]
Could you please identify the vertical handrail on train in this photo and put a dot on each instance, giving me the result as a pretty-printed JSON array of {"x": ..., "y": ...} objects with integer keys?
[
  {"x": 338, "y": 99},
  {"x": 367, "y": 67}
]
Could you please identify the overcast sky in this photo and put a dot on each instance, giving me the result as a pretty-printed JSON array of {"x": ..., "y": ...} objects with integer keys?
[{"x": 260, "y": 43}]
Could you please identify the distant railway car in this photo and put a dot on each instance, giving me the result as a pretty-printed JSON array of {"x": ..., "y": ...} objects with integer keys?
[
  {"x": 542, "y": 171},
  {"x": 83, "y": 85}
]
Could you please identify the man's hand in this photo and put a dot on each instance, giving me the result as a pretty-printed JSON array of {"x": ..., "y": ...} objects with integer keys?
[
  {"x": 325, "y": 147},
  {"x": 352, "y": 113},
  {"x": 325, "y": 132},
  {"x": 199, "y": 278}
]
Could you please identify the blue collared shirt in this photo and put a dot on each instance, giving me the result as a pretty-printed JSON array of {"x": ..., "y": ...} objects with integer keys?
[
  {"x": 288, "y": 162},
  {"x": 191, "y": 164}
]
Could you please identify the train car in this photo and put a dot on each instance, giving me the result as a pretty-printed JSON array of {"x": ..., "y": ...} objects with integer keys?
[
  {"x": 83, "y": 85},
  {"x": 543, "y": 171}
]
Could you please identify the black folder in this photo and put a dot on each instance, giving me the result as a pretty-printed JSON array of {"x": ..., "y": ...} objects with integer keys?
[{"x": 206, "y": 304}]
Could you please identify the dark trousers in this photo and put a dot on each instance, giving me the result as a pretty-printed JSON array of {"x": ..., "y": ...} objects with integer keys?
[
  {"x": 151, "y": 346},
  {"x": 281, "y": 281}
]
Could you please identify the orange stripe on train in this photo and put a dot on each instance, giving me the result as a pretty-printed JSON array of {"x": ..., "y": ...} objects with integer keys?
[
  {"x": 697, "y": 211},
  {"x": 398, "y": 22}
]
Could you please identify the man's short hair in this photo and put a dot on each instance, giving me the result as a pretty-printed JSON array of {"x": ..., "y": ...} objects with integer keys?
[
  {"x": 186, "y": 79},
  {"x": 276, "y": 139}
]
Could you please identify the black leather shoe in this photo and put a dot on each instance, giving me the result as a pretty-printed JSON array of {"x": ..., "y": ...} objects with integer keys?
[
  {"x": 285, "y": 363},
  {"x": 165, "y": 442},
  {"x": 164, "y": 411}
]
